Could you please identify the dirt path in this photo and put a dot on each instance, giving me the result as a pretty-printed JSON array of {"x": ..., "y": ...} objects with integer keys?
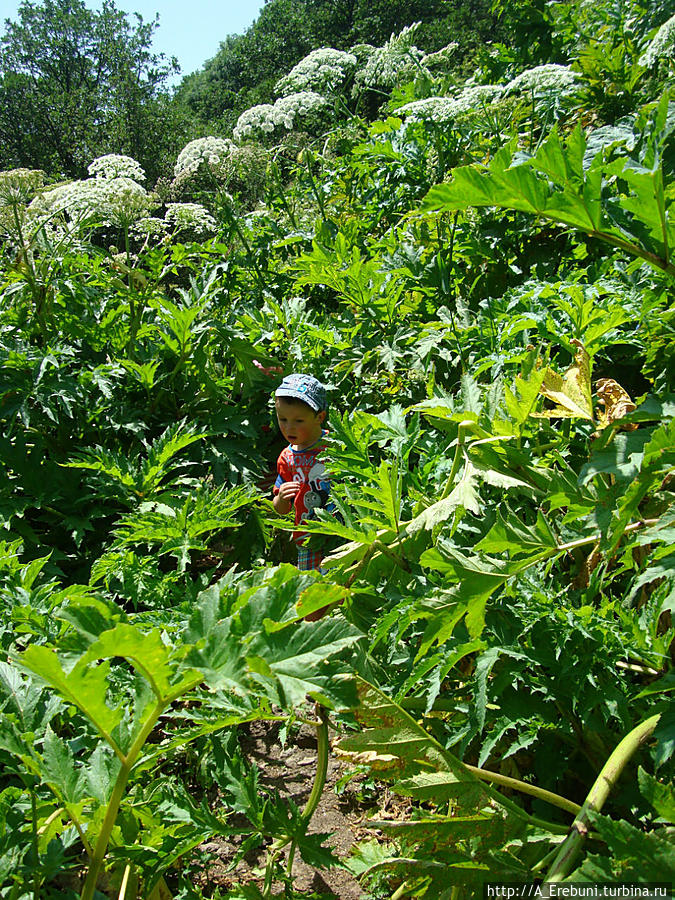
[{"x": 290, "y": 771}]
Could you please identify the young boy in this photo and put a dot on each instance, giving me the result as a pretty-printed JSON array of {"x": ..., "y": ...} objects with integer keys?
[{"x": 302, "y": 481}]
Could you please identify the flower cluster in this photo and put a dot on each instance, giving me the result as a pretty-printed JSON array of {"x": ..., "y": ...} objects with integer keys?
[
  {"x": 397, "y": 61},
  {"x": 547, "y": 79},
  {"x": 206, "y": 153},
  {"x": 122, "y": 201},
  {"x": 254, "y": 121},
  {"x": 440, "y": 110},
  {"x": 323, "y": 71},
  {"x": 107, "y": 201},
  {"x": 149, "y": 226},
  {"x": 113, "y": 165},
  {"x": 362, "y": 52},
  {"x": 77, "y": 199},
  {"x": 662, "y": 44},
  {"x": 441, "y": 58},
  {"x": 19, "y": 186},
  {"x": 189, "y": 216},
  {"x": 263, "y": 119},
  {"x": 17, "y": 189}
]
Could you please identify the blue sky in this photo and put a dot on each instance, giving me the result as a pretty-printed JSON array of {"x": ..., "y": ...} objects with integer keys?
[{"x": 191, "y": 31}]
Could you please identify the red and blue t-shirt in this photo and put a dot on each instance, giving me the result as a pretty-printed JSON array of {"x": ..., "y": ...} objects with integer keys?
[{"x": 304, "y": 467}]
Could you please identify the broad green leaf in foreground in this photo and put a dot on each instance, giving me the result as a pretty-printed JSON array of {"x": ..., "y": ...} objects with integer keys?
[{"x": 555, "y": 185}]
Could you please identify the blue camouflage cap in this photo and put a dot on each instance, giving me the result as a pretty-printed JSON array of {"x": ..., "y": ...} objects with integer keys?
[{"x": 304, "y": 387}]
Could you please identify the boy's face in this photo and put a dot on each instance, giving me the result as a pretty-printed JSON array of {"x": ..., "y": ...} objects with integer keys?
[{"x": 299, "y": 424}]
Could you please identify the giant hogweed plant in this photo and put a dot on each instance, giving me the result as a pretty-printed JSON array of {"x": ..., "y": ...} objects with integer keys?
[
  {"x": 420, "y": 536},
  {"x": 490, "y": 555},
  {"x": 601, "y": 521},
  {"x": 127, "y": 697}
]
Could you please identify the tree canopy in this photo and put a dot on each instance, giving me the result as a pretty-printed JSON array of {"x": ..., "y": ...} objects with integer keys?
[{"x": 75, "y": 83}]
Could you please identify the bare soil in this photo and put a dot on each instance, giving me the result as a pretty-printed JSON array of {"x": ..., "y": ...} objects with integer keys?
[{"x": 290, "y": 771}]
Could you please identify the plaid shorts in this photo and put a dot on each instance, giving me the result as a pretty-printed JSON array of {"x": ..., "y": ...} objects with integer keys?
[{"x": 308, "y": 560}]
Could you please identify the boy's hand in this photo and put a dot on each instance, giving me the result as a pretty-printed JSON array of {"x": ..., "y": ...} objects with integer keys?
[
  {"x": 283, "y": 501},
  {"x": 288, "y": 490}
]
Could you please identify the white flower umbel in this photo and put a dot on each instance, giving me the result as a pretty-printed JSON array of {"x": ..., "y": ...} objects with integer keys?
[
  {"x": 254, "y": 121},
  {"x": 397, "y": 61},
  {"x": 264, "y": 119},
  {"x": 441, "y": 58},
  {"x": 189, "y": 217},
  {"x": 64, "y": 210},
  {"x": 661, "y": 46},
  {"x": 149, "y": 226},
  {"x": 441, "y": 110},
  {"x": 17, "y": 188},
  {"x": 541, "y": 80},
  {"x": 323, "y": 71},
  {"x": 103, "y": 201},
  {"x": 209, "y": 153},
  {"x": 298, "y": 105},
  {"x": 114, "y": 165},
  {"x": 76, "y": 199},
  {"x": 123, "y": 201}
]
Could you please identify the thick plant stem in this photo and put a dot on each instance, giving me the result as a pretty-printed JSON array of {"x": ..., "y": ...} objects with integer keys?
[
  {"x": 319, "y": 779},
  {"x": 459, "y": 454},
  {"x": 573, "y": 843},
  {"x": 524, "y": 788},
  {"x": 399, "y": 893},
  {"x": 112, "y": 810},
  {"x": 34, "y": 846},
  {"x": 106, "y": 829}
]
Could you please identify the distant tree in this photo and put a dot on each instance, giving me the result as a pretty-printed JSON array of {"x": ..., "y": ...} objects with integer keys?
[{"x": 77, "y": 83}]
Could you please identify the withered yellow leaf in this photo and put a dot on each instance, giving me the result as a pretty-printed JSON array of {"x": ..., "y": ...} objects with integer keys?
[
  {"x": 616, "y": 401},
  {"x": 571, "y": 391}
]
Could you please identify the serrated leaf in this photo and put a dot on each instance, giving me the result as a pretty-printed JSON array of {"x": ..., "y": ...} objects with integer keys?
[
  {"x": 660, "y": 795},
  {"x": 463, "y": 495},
  {"x": 664, "y": 734},
  {"x": 60, "y": 771},
  {"x": 391, "y": 732},
  {"x": 554, "y": 185},
  {"x": 622, "y": 458},
  {"x": 100, "y": 773},
  {"x": 91, "y": 616},
  {"x": 316, "y": 597},
  {"x": 305, "y": 662},
  {"x": 636, "y": 855},
  {"x": 14, "y": 742},
  {"x": 367, "y": 854},
  {"x": 85, "y": 686},
  {"x": 314, "y": 852},
  {"x": 521, "y": 402},
  {"x": 439, "y": 787},
  {"x": 509, "y": 534},
  {"x": 148, "y": 653}
]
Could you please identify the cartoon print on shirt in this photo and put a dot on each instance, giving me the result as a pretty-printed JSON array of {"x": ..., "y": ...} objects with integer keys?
[
  {"x": 303, "y": 468},
  {"x": 316, "y": 497}
]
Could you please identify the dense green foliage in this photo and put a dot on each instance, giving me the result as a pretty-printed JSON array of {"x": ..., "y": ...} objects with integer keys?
[{"x": 481, "y": 273}]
